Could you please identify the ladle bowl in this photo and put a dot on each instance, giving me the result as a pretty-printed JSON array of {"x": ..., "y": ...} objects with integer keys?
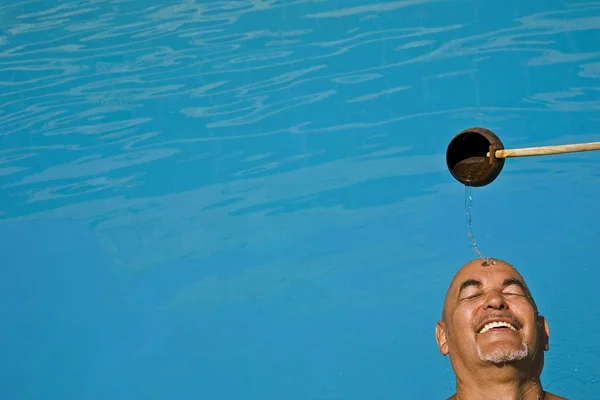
[{"x": 467, "y": 157}]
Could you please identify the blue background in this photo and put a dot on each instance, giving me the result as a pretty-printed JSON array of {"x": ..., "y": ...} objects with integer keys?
[{"x": 249, "y": 199}]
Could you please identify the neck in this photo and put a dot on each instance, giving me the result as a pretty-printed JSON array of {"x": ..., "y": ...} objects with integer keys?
[{"x": 498, "y": 382}]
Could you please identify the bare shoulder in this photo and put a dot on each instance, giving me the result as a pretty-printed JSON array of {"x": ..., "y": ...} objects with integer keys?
[{"x": 551, "y": 396}]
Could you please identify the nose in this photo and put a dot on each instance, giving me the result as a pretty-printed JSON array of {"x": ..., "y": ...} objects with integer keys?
[{"x": 495, "y": 300}]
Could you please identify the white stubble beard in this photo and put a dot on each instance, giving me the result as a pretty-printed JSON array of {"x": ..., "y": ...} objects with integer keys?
[{"x": 503, "y": 356}]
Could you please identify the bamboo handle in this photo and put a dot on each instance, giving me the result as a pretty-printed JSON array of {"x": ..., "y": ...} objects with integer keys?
[{"x": 546, "y": 150}]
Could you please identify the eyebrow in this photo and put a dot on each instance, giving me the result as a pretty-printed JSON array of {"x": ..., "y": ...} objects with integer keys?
[
  {"x": 467, "y": 283},
  {"x": 514, "y": 281}
]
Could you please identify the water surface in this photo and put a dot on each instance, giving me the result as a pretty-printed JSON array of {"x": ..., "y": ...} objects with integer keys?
[{"x": 249, "y": 199}]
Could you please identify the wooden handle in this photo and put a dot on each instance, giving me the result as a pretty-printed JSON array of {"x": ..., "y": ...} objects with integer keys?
[{"x": 546, "y": 150}]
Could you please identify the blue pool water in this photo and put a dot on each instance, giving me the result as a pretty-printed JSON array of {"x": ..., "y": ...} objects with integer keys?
[{"x": 249, "y": 199}]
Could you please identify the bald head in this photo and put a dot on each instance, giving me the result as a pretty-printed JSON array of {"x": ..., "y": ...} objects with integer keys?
[{"x": 468, "y": 275}]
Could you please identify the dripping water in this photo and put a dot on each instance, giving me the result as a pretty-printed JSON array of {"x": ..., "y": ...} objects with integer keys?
[{"x": 469, "y": 213}]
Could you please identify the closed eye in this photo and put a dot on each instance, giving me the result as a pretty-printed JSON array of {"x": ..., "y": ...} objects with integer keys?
[
  {"x": 515, "y": 290},
  {"x": 472, "y": 295},
  {"x": 469, "y": 289}
]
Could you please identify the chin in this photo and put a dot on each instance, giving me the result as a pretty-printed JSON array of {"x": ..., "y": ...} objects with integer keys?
[{"x": 503, "y": 356}]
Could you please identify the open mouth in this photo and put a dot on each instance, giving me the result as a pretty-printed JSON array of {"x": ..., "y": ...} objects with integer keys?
[{"x": 497, "y": 326}]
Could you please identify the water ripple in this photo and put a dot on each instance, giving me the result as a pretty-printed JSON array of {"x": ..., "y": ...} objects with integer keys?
[
  {"x": 369, "y": 8},
  {"x": 163, "y": 82},
  {"x": 94, "y": 165},
  {"x": 253, "y": 109}
]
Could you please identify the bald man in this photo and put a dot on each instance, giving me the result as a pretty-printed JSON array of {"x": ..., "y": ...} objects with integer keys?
[{"x": 492, "y": 331}]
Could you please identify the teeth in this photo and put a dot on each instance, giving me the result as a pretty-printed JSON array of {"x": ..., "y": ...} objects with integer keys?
[{"x": 498, "y": 324}]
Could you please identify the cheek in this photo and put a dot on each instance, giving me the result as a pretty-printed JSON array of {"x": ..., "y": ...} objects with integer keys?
[
  {"x": 526, "y": 314},
  {"x": 463, "y": 322}
]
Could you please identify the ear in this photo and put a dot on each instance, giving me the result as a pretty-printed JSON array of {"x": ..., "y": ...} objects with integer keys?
[
  {"x": 544, "y": 332},
  {"x": 440, "y": 337}
]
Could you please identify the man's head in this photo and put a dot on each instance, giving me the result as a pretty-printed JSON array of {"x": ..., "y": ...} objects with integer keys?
[{"x": 490, "y": 318}]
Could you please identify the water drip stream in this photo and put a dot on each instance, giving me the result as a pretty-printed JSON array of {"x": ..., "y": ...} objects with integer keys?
[{"x": 469, "y": 216}]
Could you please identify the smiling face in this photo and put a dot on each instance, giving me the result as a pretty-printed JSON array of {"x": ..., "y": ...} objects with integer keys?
[{"x": 490, "y": 317}]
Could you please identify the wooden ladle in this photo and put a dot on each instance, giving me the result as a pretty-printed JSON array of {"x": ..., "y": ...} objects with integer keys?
[{"x": 475, "y": 156}]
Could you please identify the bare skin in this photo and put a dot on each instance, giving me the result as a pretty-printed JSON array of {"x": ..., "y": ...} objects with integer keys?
[{"x": 493, "y": 334}]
